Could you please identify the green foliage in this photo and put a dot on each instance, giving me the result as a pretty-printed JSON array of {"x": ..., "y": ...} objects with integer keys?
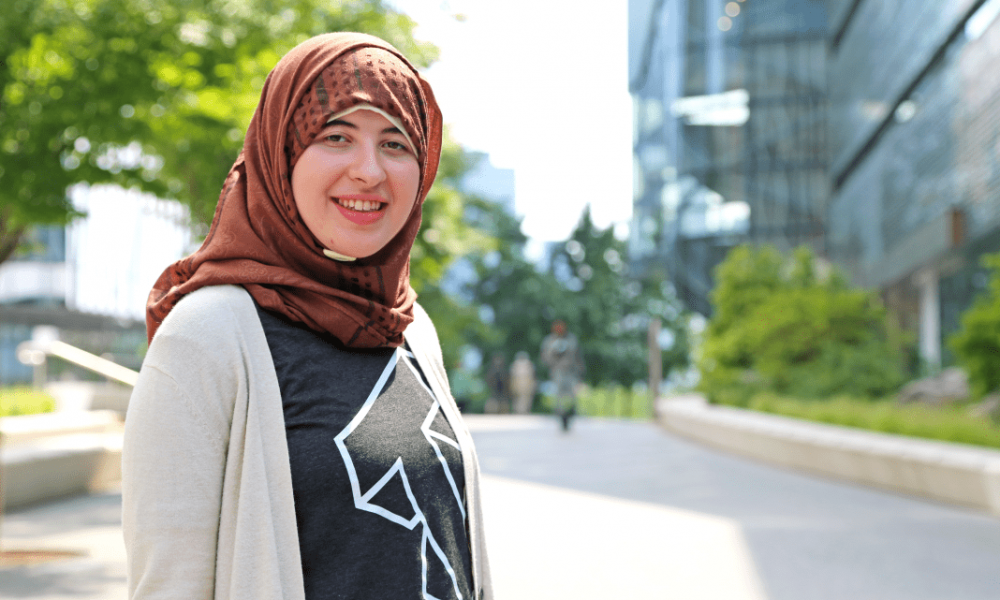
[
  {"x": 468, "y": 388},
  {"x": 977, "y": 342},
  {"x": 22, "y": 400},
  {"x": 586, "y": 284},
  {"x": 945, "y": 423},
  {"x": 608, "y": 401},
  {"x": 86, "y": 84},
  {"x": 609, "y": 310},
  {"x": 158, "y": 96},
  {"x": 445, "y": 236},
  {"x": 513, "y": 293},
  {"x": 780, "y": 325}
]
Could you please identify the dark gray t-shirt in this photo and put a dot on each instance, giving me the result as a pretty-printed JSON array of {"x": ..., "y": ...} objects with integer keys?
[{"x": 376, "y": 471}]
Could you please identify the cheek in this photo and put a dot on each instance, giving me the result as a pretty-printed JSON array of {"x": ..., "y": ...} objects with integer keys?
[
  {"x": 306, "y": 192},
  {"x": 300, "y": 180},
  {"x": 408, "y": 184}
]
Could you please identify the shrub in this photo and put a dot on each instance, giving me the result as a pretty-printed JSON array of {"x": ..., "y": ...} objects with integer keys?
[
  {"x": 977, "y": 342},
  {"x": 614, "y": 401},
  {"x": 781, "y": 325},
  {"x": 947, "y": 423},
  {"x": 22, "y": 400}
]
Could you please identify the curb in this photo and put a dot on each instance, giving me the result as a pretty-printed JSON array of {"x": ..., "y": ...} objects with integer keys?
[
  {"x": 954, "y": 473},
  {"x": 58, "y": 454}
]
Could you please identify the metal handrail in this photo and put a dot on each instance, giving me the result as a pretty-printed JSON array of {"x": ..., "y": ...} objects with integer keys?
[{"x": 34, "y": 353}]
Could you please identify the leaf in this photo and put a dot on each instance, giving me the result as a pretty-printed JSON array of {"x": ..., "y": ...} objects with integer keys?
[{"x": 80, "y": 79}]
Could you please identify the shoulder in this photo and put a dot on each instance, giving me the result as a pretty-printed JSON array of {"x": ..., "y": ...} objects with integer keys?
[
  {"x": 210, "y": 324},
  {"x": 208, "y": 313},
  {"x": 207, "y": 308},
  {"x": 201, "y": 358}
]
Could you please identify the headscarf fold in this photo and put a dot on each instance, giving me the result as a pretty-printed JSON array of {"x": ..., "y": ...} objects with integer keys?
[{"x": 257, "y": 238}]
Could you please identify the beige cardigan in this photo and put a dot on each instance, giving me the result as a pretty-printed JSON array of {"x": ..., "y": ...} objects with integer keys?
[{"x": 206, "y": 484}]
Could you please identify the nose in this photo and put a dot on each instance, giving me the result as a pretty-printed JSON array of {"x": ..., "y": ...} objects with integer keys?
[{"x": 366, "y": 166}]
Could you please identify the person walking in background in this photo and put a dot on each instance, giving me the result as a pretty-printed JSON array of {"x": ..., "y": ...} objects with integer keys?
[
  {"x": 292, "y": 433},
  {"x": 522, "y": 383},
  {"x": 498, "y": 384},
  {"x": 561, "y": 352}
]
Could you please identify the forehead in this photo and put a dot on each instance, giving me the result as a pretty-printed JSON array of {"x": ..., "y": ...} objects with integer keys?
[
  {"x": 366, "y": 76},
  {"x": 363, "y": 116},
  {"x": 376, "y": 118}
]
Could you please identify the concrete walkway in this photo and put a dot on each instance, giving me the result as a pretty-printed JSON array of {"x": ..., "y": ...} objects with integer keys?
[
  {"x": 575, "y": 552},
  {"x": 619, "y": 509},
  {"x": 89, "y": 526}
]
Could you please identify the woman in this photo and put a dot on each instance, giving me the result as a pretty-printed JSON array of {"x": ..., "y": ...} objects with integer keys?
[{"x": 292, "y": 434}]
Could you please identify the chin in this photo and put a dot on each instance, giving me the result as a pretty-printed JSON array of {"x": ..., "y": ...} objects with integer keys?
[{"x": 359, "y": 252}]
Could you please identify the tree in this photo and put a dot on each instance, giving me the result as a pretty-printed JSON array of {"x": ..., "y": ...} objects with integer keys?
[
  {"x": 781, "y": 324},
  {"x": 977, "y": 342},
  {"x": 610, "y": 309},
  {"x": 145, "y": 94},
  {"x": 157, "y": 96},
  {"x": 513, "y": 296},
  {"x": 587, "y": 285},
  {"x": 445, "y": 236}
]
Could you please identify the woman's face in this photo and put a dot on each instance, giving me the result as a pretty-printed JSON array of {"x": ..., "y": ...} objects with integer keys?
[{"x": 356, "y": 184}]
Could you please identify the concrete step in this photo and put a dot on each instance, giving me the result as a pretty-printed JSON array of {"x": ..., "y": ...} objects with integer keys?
[
  {"x": 58, "y": 454},
  {"x": 75, "y": 396},
  {"x": 27, "y": 429}
]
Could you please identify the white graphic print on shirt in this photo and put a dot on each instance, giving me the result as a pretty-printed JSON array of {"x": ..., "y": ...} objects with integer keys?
[{"x": 368, "y": 500}]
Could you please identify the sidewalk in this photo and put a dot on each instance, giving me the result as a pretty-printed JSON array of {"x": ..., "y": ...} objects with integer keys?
[
  {"x": 621, "y": 551},
  {"x": 619, "y": 509},
  {"x": 88, "y": 526}
]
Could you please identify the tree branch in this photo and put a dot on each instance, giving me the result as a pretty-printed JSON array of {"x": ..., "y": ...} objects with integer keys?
[{"x": 10, "y": 237}]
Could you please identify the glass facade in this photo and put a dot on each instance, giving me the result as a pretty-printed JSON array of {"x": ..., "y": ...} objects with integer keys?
[
  {"x": 877, "y": 52},
  {"x": 872, "y": 134},
  {"x": 43, "y": 244},
  {"x": 730, "y": 140},
  {"x": 915, "y": 146}
]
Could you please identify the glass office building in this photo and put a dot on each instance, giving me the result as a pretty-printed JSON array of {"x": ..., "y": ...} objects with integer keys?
[
  {"x": 915, "y": 155},
  {"x": 730, "y": 132},
  {"x": 872, "y": 133}
]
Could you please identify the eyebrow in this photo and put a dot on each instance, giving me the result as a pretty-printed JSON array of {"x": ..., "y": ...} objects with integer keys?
[{"x": 390, "y": 129}]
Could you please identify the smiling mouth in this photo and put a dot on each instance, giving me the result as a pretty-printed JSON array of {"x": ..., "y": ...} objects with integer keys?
[{"x": 360, "y": 205}]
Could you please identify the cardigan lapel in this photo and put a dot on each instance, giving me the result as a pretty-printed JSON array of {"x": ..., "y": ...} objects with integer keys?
[{"x": 437, "y": 377}]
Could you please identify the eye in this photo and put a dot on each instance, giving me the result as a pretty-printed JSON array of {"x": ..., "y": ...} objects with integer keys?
[
  {"x": 334, "y": 138},
  {"x": 397, "y": 146}
]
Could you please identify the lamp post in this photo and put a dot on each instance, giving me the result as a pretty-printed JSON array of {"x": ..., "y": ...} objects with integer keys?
[
  {"x": 30, "y": 355},
  {"x": 655, "y": 361}
]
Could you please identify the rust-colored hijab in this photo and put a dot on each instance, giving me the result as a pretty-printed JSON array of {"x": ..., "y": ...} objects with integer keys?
[{"x": 257, "y": 238}]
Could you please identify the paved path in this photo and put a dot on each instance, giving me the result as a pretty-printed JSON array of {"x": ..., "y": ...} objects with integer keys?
[
  {"x": 689, "y": 522},
  {"x": 624, "y": 510},
  {"x": 88, "y": 525}
]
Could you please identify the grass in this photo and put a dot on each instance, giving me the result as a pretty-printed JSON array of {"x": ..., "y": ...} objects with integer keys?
[
  {"x": 949, "y": 423},
  {"x": 614, "y": 401},
  {"x": 24, "y": 400}
]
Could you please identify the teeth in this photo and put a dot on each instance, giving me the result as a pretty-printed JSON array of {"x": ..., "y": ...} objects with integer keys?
[{"x": 360, "y": 205}]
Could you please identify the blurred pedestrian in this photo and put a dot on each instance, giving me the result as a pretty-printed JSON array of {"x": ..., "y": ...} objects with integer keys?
[
  {"x": 522, "y": 383},
  {"x": 292, "y": 434},
  {"x": 561, "y": 352},
  {"x": 498, "y": 386}
]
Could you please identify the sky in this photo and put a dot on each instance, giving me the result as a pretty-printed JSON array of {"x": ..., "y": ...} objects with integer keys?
[{"x": 542, "y": 87}]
